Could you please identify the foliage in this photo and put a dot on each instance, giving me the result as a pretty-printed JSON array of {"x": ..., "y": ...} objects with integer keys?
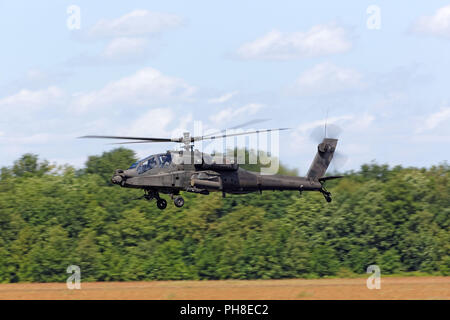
[
  {"x": 105, "y": 164},
  {"x": 397, "y": 218}
]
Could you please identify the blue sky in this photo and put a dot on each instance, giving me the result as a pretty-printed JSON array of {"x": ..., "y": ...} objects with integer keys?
[{"x": 151, "y": 68}]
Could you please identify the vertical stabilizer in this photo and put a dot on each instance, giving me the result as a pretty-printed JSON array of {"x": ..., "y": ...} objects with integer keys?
[{"x": 325, "y": 151}]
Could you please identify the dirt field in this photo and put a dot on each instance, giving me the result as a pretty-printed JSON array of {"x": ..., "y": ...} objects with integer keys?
[{"x": 391, "y": 288}]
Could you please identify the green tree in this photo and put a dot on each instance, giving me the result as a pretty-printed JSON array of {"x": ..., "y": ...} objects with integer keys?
[
  {"x": 108, "y": 162},
  {"x": 324, "y": 261},
  {"x": 29, "y": 165},
  {"x": 53, "y": 217}
]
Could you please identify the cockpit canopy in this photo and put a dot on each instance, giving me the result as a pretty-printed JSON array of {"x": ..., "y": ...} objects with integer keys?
[
  {"x": 200, "y": 160},
  {"x": 163, "y": 160}
]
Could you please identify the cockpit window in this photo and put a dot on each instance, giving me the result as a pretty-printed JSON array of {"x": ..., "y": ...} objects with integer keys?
[
  {"x": 147, "y": 164},
  {"x": 134, "y": 165},
  {"x": 165, "y": 160}
]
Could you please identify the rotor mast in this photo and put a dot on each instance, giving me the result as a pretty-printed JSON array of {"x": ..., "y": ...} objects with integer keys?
[{"x": 187, "y": 141}]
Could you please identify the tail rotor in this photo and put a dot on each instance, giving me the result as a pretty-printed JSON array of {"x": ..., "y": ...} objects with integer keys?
[{"x": 333, "y": 131}]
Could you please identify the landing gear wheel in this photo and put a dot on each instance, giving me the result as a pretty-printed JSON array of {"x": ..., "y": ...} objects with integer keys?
[
  {"x": 178, "y": 201},
  {"x": 161, "y": 203},
  {"x": 328, "y": 198}
]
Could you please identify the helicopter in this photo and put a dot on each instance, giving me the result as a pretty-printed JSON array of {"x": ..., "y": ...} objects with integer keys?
[{"x": 193, "y": 171}]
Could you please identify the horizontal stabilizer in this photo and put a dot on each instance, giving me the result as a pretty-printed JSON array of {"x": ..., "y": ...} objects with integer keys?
[{"x": 323, "y": 179}]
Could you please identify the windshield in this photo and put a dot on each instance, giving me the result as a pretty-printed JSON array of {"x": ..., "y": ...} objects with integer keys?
[
  {"x": 147, "y": 164},
  {"x": 155, "y": 161},
  {"x": 165, "y": 160},
  {"x": 134, "y": 165}
]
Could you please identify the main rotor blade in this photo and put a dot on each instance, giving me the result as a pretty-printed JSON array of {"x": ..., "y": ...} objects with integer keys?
[
  {"x": 235, "y": 134},
  {"x": 132, "y": 138},
  {"x": 135, "y": 142},
  {"x": 238, "y": 126},
  {"x": 248, "y": 123}
]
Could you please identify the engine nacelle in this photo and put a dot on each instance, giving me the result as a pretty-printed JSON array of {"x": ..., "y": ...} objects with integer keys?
[{"x": 206, "y": 180}]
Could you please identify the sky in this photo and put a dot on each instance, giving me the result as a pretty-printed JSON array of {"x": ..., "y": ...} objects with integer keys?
[{"x": 378, "y": 70}]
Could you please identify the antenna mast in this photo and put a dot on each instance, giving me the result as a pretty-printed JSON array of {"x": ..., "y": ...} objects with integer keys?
[{"x": 326, "y": 120}]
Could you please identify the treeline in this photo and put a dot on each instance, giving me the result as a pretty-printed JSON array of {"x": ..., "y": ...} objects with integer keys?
[{"x": 52, "y": 217}]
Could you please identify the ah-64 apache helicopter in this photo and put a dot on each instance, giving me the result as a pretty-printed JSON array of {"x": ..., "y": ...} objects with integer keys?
[{"x": 193, "y": 171}]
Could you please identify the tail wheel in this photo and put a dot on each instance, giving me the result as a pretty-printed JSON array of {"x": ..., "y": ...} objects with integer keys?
[
  {"x": 161, "y": 204},
  {"x": 178, "y": 201}
]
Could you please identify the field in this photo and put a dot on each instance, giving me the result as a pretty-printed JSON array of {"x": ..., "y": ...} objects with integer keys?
[{"x": 391, "y": 288}]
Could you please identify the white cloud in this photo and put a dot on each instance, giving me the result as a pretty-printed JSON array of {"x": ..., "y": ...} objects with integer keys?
[
  {"x": 431, "y": 138},
  {"x": 362, "y": 123},
  {"x": 157, "y": 123},
  {"x": 184, "y": 123},
  {"x": 223, "y": 98},
  {"x": 36, "y": 76},
  {"x": 35, "y": 79},
  {"x": 125, "y": 48},
  {"x": 135, "y": 23},
  {"x": 32, "y": 99},
  {"x": 303, "y": 128},
  {"x": 318, "y": 41},
  {"x": 326, "y": 78},
  {"x": 435, "y": 119},
  {"x": 151, "y": 124},
  {"x": 436, "y": 25},
  {"x": 230, "y": 113},
  {"x": 144, "y": 88},
  {"x": 129, "y": 37}
]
